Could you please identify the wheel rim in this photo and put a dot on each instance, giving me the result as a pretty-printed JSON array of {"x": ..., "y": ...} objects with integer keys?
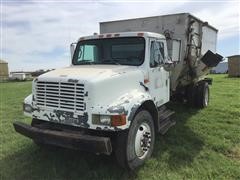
[
  {"x": 143, "y": 140},
  {"x": 206, "y": 97}
]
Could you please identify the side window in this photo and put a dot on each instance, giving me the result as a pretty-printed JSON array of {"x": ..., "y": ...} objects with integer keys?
[
  {"x": 156, "y": 53},
  {"x": 87, "y": 53},
  {"x": 161, "y": 48}
]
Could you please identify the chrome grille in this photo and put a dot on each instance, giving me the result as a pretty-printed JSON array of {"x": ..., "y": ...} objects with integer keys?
[{"x": 59, "y": 95}]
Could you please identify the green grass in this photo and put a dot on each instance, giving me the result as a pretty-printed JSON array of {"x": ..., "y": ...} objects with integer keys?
[{"x": 204, "y": 144}]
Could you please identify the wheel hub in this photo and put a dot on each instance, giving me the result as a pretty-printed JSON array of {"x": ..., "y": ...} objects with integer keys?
[{"x": 143, "y": 140}]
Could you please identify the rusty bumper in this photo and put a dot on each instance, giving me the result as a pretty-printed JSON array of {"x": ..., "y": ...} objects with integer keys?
[{"x": 66, "y": 139}]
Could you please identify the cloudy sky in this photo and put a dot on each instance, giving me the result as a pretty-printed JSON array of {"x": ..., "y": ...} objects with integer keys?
[{"x": 36, "y": 34}]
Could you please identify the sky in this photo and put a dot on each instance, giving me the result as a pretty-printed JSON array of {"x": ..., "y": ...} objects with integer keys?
[{"x": 37, "y": 34}]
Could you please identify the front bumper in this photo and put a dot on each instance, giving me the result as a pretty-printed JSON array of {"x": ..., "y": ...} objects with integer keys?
[{"x": 65, "y": 138}]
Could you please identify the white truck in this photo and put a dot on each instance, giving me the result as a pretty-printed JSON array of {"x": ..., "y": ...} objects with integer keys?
[{"x": 112, "y": 97}]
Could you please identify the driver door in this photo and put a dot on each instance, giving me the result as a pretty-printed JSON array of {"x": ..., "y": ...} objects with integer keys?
[{"x": 158, "y": 77}]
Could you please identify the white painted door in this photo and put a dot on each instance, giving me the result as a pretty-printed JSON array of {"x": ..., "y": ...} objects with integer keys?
[{"x": 158, "y": 77}]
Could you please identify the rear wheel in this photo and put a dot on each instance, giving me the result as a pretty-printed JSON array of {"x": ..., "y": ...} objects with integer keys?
[
  {"x": 198, "y": 94},
  {"x": 203, "y": 95},
  {"x": 136, "y": 145},
  {"x": 191, "y": 93}
]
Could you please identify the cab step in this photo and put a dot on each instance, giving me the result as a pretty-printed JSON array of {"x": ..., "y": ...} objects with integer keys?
[{"x": 165, "y": 119}]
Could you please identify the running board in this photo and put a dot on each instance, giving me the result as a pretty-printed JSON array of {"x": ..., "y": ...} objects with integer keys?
[{"x": 165, "y": 120}]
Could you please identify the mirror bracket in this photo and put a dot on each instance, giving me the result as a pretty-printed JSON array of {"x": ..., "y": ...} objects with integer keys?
[{"x": 72, "y": 49}]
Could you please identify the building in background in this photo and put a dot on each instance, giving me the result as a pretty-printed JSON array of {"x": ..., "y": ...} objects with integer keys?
[
  {"x": 221, "y": 68},
  {"x": 27, "y": 75},
  {"x": 234, "y": 65},
  {"x": 20, "y": 75},
  {"x": 3, "y": 70}
]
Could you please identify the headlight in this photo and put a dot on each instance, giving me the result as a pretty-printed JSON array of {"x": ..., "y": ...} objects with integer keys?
[
  {"x": 27, "y": 108},
  {"x": 101, "y": 119},
  {"x": 105, "y": 119},
  {"x": 113, "y": 120}
]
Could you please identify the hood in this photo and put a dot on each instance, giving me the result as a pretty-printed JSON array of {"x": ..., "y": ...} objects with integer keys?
[
  {"x": 88, "y": 73},
  {"x": 103, "y": 83}
]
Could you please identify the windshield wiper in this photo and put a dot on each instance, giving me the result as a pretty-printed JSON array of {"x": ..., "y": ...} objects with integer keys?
[{"x": 106, "y": 61}]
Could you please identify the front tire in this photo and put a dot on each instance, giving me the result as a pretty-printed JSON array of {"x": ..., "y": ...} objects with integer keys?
[{"x": 136, "y": 146}]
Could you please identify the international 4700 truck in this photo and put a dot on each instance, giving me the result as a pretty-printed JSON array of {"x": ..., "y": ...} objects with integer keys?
[{"x": 112, "y": 97}]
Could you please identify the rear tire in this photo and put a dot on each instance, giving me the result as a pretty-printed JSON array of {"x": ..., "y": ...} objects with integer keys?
[
  {"x": 198, "y": 94},
  {"x": 191, "y": 94},
  {"x": 135, "y": 146},
  {"x": 202, "y": 95}
]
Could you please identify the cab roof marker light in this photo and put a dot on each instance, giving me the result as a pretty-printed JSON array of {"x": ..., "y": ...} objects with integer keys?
[
  {"x": 116, "y": 35},
  {"x": 101, "y": 36},
  {"x": 82, "y": 38},
  {"x": 109, "y": 35}
]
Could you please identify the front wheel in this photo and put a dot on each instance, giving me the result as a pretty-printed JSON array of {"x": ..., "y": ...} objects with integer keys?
[{"x": 136, "y": 145}]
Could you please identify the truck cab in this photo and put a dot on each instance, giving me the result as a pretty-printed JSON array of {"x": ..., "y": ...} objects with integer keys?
[{"x": 110, "y": 77}]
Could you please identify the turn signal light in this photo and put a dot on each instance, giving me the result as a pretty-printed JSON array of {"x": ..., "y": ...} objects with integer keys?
[{"x": 118, "y": 120}]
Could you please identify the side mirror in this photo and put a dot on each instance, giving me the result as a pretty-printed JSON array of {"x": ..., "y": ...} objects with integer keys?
[
  {"x": 72, "y": 49},
  {"x": 174, "y": 49}
]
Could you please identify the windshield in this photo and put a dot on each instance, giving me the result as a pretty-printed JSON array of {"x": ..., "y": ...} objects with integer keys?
[{"x": 120, "y": 51}]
